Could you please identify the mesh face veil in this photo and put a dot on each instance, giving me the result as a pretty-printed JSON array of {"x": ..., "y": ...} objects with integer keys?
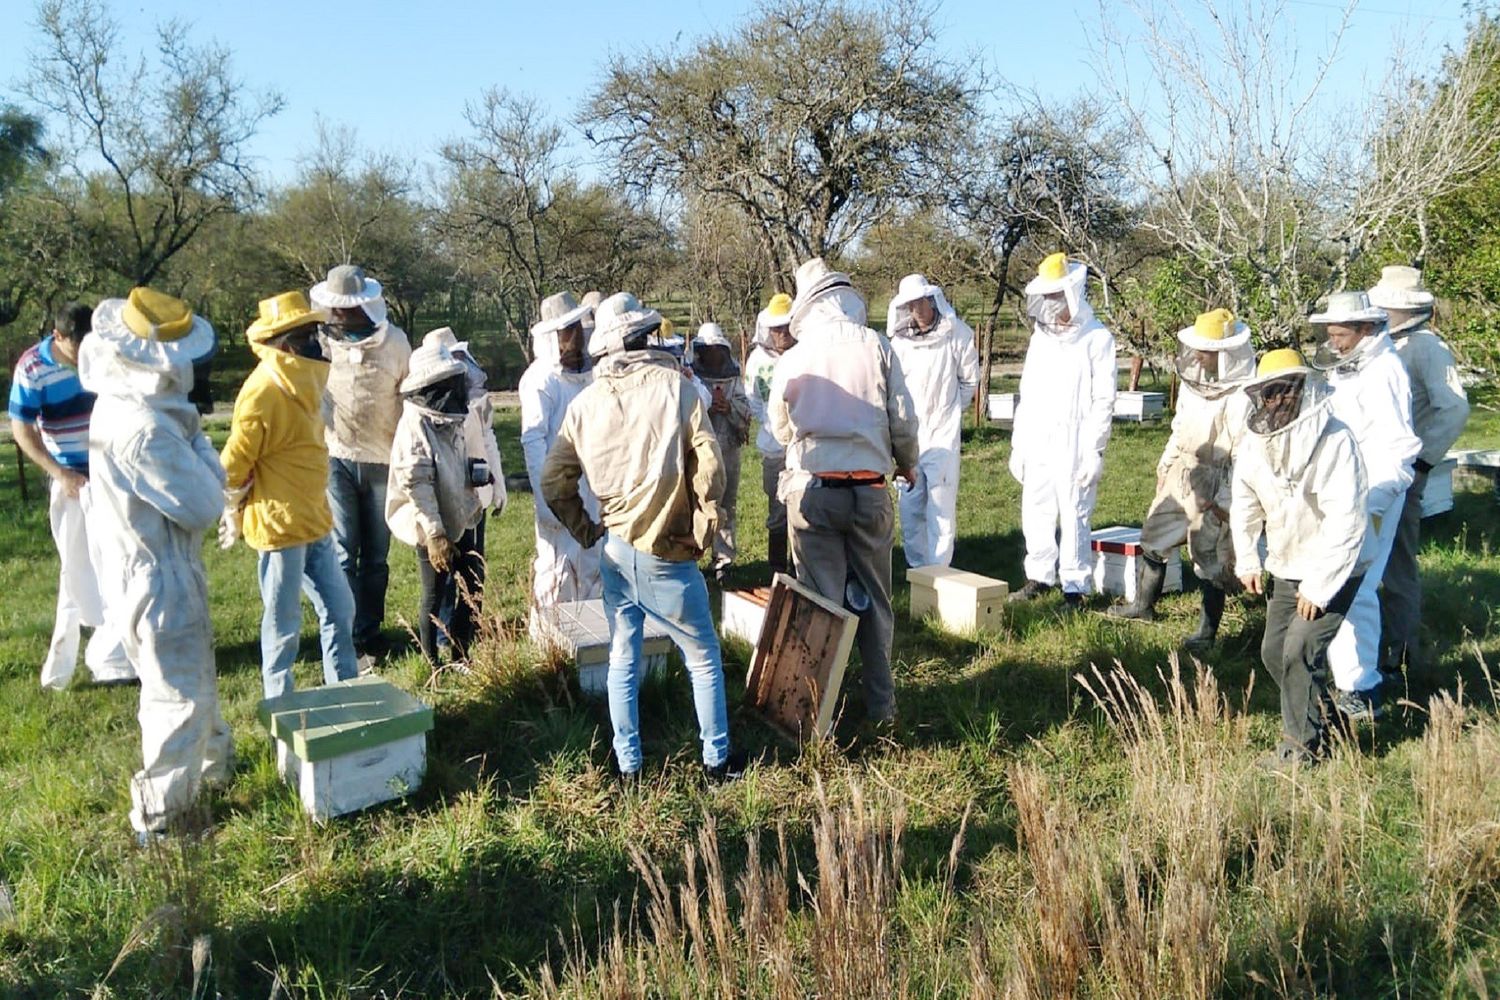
[{"x": 1276, "y": 402}]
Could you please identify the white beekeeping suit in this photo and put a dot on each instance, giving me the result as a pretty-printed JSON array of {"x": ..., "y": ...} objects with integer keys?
[
  {"x": 941, "y": 366},
  {"x": 1062, "y": 425},
  {"x": 563, "y": 570},
  {"x": 158, "y": 488},
  {"x": 773, "y": 338},
  {"x": 1372, "y": 396}
]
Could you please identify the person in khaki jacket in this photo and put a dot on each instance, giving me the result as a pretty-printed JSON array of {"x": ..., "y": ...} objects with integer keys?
[
  {"x": 729, "y": 411},
  {"x": 368, "y": 358},
  {"x": 642, "y": 436},
  {"x": 432, "y": 501}
]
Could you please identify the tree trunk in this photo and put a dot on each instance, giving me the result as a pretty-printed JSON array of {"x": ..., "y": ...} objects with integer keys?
[{"x": 986, "y": 347}]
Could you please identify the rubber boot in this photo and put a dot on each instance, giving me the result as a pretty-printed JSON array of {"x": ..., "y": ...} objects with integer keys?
[
  {"x": 1151, "y": 576},
  {"x": 776, "y": 551},
  {"x": 1208, "y": 620}
]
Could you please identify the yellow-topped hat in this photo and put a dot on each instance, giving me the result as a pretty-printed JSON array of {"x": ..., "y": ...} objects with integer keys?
[
  {"x": 1214, "y": 324},
  {"x": 1053, "y": 267},
  {"x": 1216, "y": 330},
  {"x": 153, "y": 315},
  {"x": 281, "y": 313},
  {"x": 1283, "y": 359},
  {"x": 780, "y": 305}
]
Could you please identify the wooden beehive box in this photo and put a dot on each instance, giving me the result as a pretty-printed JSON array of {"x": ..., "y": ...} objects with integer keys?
[
  {"x": 1139, "y": 407},
  {"x": 1478, "y": 463},
  {"x": 743, "y": 613},
  {"x": 1002, "y": 407},
  {"x": 1437, "y": 495},
  {"x": 1117, "y": 554},
  {"x": 348, "y": 745},
  {"x": 579, "y": 632},
  {"x": 799, "y": 662},
  {"x": 960, "y": 601}
]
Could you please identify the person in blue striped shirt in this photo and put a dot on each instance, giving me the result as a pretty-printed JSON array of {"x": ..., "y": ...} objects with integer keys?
[{"x": 49, "y": 418}]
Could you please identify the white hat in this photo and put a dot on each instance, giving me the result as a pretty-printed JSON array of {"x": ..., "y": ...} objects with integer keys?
[
  {"x": 441, "y": 337},
  {"x": 346, "y": 287},
  {"x": 912, "y": 288},
  {"x": 1215, "y": 330},
  {"x": 1348, "y": 307},
  {"x": 619, "y": 318},
  {"x": 814, "y": 280},
  {"x": 559, "y": 312},
  {"x": 1400, "y": 287},
  {"x": 710, "y": 335},
  {"x": 430, "y": 363},
  {"x": 1057, "y": 274}
]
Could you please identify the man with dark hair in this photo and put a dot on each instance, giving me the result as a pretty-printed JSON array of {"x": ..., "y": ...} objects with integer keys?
[{"x": 49, "y": 418}]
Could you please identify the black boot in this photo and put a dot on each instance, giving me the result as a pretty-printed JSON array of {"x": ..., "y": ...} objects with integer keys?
[
  {"x": 1151, "y": 576},
  {"x": 776, "y": 551},
  {"x": 1208, "y": 620}
]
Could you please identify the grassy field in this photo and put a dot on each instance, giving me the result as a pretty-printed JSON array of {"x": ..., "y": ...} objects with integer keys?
[{"x": 1065, "y": 814}]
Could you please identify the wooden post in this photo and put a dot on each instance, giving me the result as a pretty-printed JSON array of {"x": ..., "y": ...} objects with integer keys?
[{"x": 1136, "y": 364}]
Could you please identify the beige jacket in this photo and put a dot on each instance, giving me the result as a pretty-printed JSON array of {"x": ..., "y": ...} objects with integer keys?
[
  {"x": 1439, "y": 405},
  {"x": 642, "y": 436},
  {"x": 364, "y": 392},
  {"x": 427, "y": 489}
]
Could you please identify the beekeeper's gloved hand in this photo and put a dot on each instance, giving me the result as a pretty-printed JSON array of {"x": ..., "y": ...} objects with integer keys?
[
  {"x": 229, "y": 527},
  {"x": 1090, "y": 467}
]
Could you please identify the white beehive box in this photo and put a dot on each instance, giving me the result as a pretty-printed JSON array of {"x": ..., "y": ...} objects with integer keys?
[
  {"x": 1437, "y": 495},
  {"x": 960, "y": 601},
  {"x": 1139, "y": 407},
  {"x": 1478, "y": 463},
  {"x": 1117, "y": 554},
  {"x": 348, "y": 745},
  {"x": 744, "y": 613},
  {"x": 1002, "y": 407},
  {"x": 579, "y": 631}
]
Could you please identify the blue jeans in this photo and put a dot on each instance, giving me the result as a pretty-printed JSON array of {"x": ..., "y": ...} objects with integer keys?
[
  {"x": 285, "y": 575},
  {"x": 356, "y": 493},
  {"x": 637, "y": 584}
]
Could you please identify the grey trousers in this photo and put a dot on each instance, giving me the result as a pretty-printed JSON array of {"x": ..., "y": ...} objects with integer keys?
[
  {"x": 724, "y": 546},
  {"x": 1401, "y": 586},
  {"x": 1295, "y": 654},
  {"x": 770, "y": 482},
  {"x": 838, "y": 533}
]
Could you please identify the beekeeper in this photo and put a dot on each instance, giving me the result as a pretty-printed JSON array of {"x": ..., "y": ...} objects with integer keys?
[
  {"x": 367, "y": 357},
  {"x": 1062, "y": 423},
  {"x": 840, "y": 405},
  {"x": 1439, "y": 410},
  {"x": 729, "y": 411},
  {"x": 157, "y": 488},
  {"x": 644, "y": 439},
  {"x": 773, "y": 338},
  {"x": 1299, "y": 487},
  {"x": 276, "y": 464},
  {"x": 941, "y": 366},
  {"x": 1372, "y": 396},
  {"x": 563, "y": 570},
  {"x": 1214, "y": 360}
]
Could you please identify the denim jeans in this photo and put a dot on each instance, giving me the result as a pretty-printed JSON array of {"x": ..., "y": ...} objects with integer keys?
[
  {"x": 285, "y": 574},
  {"x": 356, "y": 493},
  {"x": 637, "y": 584}
]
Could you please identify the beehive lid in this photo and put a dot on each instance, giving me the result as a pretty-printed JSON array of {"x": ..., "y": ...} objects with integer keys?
[
  {"x": 1117, "y": 539},
  {"x": 982, "y": 587},
  {"x": 335, "y": 719}
]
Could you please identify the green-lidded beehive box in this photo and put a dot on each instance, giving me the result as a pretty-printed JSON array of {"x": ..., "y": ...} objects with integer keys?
[{"x": 349, "y": 745}]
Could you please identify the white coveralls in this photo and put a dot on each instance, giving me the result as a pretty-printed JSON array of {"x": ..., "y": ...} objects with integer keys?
[
  {"x": 1194, "y": 469},
  {"x": 1062, "y": 423},
  {"x": 942, "y": 374},
  {"x": 564, "y": 570},
  {"x": 79, "y": 601},
  {"x": 760, "y": 369},
  {"x": 1372, "y": 396},
  {"x": 158, "y": 487}
]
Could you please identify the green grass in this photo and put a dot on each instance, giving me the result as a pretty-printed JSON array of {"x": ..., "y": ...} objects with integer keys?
[{"x": 516, "y": 852}]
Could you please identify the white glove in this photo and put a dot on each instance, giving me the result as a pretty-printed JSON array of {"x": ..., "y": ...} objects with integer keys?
[
  {"x": 229, "y": 528},
  {"x": 1017, "y": 467},
  {"x": 501, "y": 498},
  {"x": 1090, "y": 467}
]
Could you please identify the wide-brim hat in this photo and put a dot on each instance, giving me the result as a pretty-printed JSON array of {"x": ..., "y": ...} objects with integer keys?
[
  {"x": 1279, "y": 363},
  {"x": 1216, "y": 330},
  {"x": 443, "y": 336},
  {"x": 1400, "y": 287},
  {"x": 710, "y": 335},
  {"x": 559, "y": 312},
  {"x": 1057, "y": 274},
  {"x": 912, "y": 288},
  {"x": 619, "y": 318},
  {"x": 347, "y": 287},
  {"x": 281, "y": 313},
  {"x": 428, "y": 364},
  {"x": 149, "y": 329},
  {"x": 1348, "y": 307}
]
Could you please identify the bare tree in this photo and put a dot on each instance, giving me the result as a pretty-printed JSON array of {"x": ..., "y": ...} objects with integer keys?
[
  {"x": 1244, "y": 164},
  {"x": 813, "y": 120},
  {"x": 160, "y": 144}
]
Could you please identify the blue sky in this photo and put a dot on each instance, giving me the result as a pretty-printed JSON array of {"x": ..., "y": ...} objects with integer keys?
[{"x": 399, "y": 71}]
